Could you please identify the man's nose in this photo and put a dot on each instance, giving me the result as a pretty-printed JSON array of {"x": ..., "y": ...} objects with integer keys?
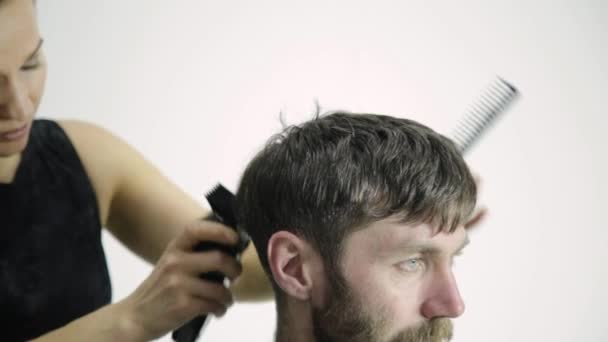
[
  {"x": 14, "y": 99},
  {"x": 443, "y": 298}
]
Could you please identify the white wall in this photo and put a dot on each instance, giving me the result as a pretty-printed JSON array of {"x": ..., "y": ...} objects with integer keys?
[{"x": 197, "y": 87}]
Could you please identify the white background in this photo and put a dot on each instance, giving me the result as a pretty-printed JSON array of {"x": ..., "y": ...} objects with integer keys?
[{"x": 197, "y": 87}]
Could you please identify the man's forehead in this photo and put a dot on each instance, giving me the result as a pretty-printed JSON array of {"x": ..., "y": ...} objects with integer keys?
[
  {"x": 389, "y": 234},
  {"x": 391, "y": 230}
]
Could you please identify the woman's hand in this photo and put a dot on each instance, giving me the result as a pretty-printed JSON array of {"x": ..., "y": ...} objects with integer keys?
[
  {"x": 174, "y": 293},
  {"x": 480, "y": 212}
]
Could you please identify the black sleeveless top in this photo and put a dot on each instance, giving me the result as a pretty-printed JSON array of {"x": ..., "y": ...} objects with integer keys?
[{"x": 52, "y": 265}]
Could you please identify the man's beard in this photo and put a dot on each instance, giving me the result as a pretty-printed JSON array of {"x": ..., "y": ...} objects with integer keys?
[{"x": 343, "y": 318}]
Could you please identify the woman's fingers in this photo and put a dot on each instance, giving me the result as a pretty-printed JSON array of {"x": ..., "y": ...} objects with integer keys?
[
  {"x": 476, "y": 218},
  {"x": 204, "y": 230},
  {"x": 196, "y": 263}
]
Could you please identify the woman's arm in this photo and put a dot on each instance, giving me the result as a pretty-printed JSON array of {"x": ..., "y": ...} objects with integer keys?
[
  {"x": 141, "y": 207},
  {"x": 162, "y": 224}
]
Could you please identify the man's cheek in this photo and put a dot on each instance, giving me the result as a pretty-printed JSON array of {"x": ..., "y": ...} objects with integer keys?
[{"x": 398, "y": 307}]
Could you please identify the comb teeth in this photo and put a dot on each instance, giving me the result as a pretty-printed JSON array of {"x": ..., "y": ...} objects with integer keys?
[{"x": 497, "y": 96}]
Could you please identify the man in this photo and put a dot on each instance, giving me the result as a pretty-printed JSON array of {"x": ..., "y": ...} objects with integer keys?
[{"x": 357, "y": 219}]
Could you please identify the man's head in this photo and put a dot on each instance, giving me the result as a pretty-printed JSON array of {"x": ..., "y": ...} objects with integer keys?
[{"x": 356, "y": 218}]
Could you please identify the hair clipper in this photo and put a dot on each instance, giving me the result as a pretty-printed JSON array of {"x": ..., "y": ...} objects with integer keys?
[{"x": 222, "y": 204}]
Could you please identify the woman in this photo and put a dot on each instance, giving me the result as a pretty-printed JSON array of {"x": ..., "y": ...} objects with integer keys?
[{"x": 60, "y": 182}]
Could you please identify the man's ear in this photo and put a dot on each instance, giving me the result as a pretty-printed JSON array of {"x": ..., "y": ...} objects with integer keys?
[{"x": 290, "y": 259}]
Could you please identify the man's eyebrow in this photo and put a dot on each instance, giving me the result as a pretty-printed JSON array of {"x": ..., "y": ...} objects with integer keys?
[
  {"x": 431, "y": 249},
  {"x": 33, "y": 54}
]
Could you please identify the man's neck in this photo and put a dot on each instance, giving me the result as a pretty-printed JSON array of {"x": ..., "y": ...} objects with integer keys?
[
  {"x": 294, "y": 323},
  {"x": 8, "y": 168}
]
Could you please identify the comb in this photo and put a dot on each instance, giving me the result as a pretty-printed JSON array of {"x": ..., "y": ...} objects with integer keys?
[
  {"x": 222, "y": 205},
  {"x": 496, "y": 98}
]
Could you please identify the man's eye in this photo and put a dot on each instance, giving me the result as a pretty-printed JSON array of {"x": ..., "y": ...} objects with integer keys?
[{"x": 411, "y": 265}]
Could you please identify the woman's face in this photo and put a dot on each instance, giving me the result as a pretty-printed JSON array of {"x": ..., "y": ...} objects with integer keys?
[{"x": 22, "y": 73}]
